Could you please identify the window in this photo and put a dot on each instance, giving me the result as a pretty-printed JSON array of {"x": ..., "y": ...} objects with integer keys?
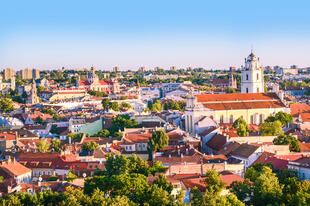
[
  {"x": 257, "y": 90},
  {"x": 252, "y": 119},
  {"x": 247, "y": 90},
  {"x": 247, "y": 77},
  {"x": 222, "y": 119},
  {"x": 231, "y": 119},
  {"x": 257, "y": 76},
  {"x": 261, "y": 118}
]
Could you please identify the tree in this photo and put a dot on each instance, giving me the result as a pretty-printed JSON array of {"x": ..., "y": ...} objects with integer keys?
[
  {"x": 41, "y": 89},
  {"x": 281, "y": 116},
  {"x": 116, "y": 164},
  {"x": 242, "y": 127},
  {"x": 56, "y": 145},
  {"x": 6, "y": 105},
  {"x": 161, "y": 182},
  {"x": 39, "y": 120},
  {"x": 103, "y": 133},
  {"x": 115, "y": 106},
  {"x": 71, "y": 176},
  {"x": 159, "y": 140},
  {"x": 48, "y": 111},
  {"x": 54, "y": 129},
  {"x": 43, "y": 145},
  {"x": 157, "y": 106},
  {"x": 125, "y": 105},
  {"x": 288, "y": 140},
  {"x": 90, "y": 146},
  {"x": 243, "y": 190},
  {"x": 118, "y": 134},
  {"x": 271, "y": 128},
  {"x": 213, "y": 182},
  {"x": 106, "y": 104},
  {"x": 120, "y": 122},
  {"x": 267, "y": 189}
]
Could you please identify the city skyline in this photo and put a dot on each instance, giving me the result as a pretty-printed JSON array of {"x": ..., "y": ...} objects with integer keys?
[{"x": 133, "y": 34}]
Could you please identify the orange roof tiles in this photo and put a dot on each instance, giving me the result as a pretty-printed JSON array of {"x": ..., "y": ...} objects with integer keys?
[
  {"x": 296, "y": 109},
  {"x": 14, "y": 168},
  {"x": 236, "y": 97}
]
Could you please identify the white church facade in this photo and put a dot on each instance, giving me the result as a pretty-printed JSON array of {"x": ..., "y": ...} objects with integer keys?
[{"x": 251, "y": 104}]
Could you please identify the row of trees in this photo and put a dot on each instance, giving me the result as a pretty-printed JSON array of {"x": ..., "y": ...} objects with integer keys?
[
  {"x": 115, "y": 106},
  {"x": 265, "y": 185}
]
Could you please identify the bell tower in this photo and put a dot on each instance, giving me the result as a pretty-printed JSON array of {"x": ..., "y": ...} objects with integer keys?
[{"x": 252, "y": 75}]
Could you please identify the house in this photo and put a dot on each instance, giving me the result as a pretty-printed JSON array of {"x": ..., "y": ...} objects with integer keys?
[
  {"x": 302, "y": 167},
  {"x": 247, "y": 153},
  {"x": 13, "y": 169}
]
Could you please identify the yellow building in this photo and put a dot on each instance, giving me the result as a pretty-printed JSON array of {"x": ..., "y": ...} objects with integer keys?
[{"x": 254, "y": 108}]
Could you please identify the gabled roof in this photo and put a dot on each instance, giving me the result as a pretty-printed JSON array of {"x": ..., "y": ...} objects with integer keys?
[
  {"x": 217, "y": 142},
  {"x": 296, "y": 109},
  {"x": 14, "y": 168},
  {"x": 236, "y": 97},
  {"x": 244, "y": 151}
]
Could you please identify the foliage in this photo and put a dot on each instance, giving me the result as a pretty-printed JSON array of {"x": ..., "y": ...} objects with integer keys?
[
  {"x": 90, "y": 146},
  {"x": 106, "y": 104},
  {"x": 75, "y": 137},
  {"x": 120, "y": 164},
  {"x": 43, "y": 146},
  {"x": 271, "y": 128},
  {"x": 162, "y": 182},
  {"x": 56, "y": 145},
  {"x": 156, "y": 106},
  {"x": 6, "y": 105},
  {"x": 242, "y": 127},
  {"x": 213, "y": 182},
  {"x": 281, "y": 116},
  {"x": 159, "y": 140},
  {"x": 52, "y": 178},
  {"x": 288, "y": 140},
  {"x": 54, "y": 129},
  {"x": 174, "y": 105},
  {"x": 48, "y": 111},
  {"x": 41, "y": 89},
  {"x": 71, "y": 176},
  {"x": 97, "y": 93},
  {"x": 118, "y": 134},
  {"x": 120, "y": 122},
  {"x": 39, "y": 120},
  {"x": 115, "y": 106},
  {"x": 125, "y": 105}
]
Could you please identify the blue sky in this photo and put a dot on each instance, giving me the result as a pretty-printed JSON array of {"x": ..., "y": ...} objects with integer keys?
[{"x": 212, "y": 34}]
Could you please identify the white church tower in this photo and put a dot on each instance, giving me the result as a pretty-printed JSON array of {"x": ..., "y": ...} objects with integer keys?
[{"x": 252, "y": 76}]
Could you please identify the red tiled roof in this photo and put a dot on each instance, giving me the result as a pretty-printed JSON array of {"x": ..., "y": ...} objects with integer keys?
[
  {"x": 7, "y": 136},
  {"x": 83, "y": 82},
  {"x": 236, "y": 97},
  {"x": 296, "y": 109},
  {"x": 305, "y": 116},
  {"x": 135, "y": 138},
  {"x": 304, "y": 147},
  {"x": 244, "y": 105},
  {"x": 14, "y": 168}
]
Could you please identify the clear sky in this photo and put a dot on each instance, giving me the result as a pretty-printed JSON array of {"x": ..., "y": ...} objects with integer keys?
[{"x": 49, "y": 34}]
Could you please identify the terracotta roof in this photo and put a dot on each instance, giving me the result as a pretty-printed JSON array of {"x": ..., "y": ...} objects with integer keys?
[
  {"x": 228, "y": 148},
  {"x": 244, "y": 105},
  {"x": 14, "y": 168},
  {"x": 304, "y": 147},
  {"x": 296, "y": 109},
  {"x": 7, "y": 136},
  {"x": 136, "y": 138},
  {"x": 305, "y": 116},
  {"x": 236, "y": 97}
]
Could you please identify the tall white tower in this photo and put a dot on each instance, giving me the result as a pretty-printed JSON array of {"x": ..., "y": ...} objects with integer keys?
[{"x": 252, "y": 76}]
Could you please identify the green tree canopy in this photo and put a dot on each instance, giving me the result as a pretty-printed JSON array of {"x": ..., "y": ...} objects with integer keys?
[
  {"x": 90, "y": 146},
  {"x": 43, "y": 145},
  {"x": 6, "y": 105},
  {"x": 242, "y": 127},
  {"x": 281, "y": 116},
  {"x": 159, "y": 140},
  {"x": 288, "y": 140},
  {"x": 56, "y": 145},
  {"x": 271, "y": 128}
]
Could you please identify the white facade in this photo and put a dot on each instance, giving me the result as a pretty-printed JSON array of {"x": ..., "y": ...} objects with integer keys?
[{"x": 252, "y": 76}]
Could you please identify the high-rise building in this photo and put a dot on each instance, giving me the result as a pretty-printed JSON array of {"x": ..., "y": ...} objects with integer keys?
[
  {"x": 142, "y": 69},
  {"x": 29, "y": 73},
  {"x": 173, "y": 68},
  {"x": 8, "y": 73},
  {"x": 252, "y": 76},
  {"x": 116, "y": 69}
]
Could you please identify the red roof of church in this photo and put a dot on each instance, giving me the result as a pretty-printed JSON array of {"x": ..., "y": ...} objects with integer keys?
[
  {"x": 84, "y": 82},
  {"x": 236, "y": 97},
  {"x": 296, "y": 109}
]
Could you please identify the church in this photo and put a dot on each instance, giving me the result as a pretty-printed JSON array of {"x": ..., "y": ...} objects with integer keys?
[
  {"x": 252, "y": 104},
  {"x": 93, "y": 83}
]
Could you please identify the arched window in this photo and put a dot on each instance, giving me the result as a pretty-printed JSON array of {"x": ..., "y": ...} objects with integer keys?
[
  {"x": 257, "y": 76},
  {"x": 231, "y": 119},
  {"x": 252, "y": 119},
  {"x": 247, "y": 90},
  {"x": 261, "y": 118},
  {"x": 222, "y": 119},
  {"x": 247, "y": 77},
  {"x": 257, "y": 90}
]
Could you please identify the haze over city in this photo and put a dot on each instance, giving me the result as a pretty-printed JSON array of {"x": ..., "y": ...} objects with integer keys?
[{"x": 130, "y": 34}]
